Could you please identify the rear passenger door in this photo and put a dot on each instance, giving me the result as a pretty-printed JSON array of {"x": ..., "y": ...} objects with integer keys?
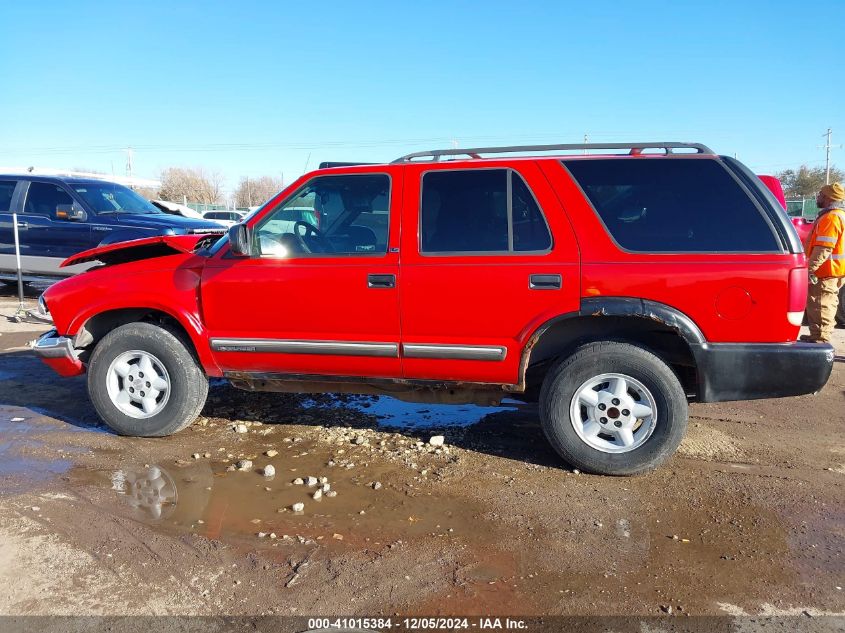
[
  {"x": 487, "y": 256},
  {"x": 46, "y": 239}
]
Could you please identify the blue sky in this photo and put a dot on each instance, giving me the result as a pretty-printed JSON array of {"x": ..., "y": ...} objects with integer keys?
[{"x": 252, "y": 88}]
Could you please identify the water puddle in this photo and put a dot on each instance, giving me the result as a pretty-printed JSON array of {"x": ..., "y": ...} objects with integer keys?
[{"x": 206, "y": 498}]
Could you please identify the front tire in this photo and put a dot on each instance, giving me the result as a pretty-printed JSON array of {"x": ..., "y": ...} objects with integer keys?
[
  {"x": 613, "y": 408},
  {"x": 144, "y": 381}
]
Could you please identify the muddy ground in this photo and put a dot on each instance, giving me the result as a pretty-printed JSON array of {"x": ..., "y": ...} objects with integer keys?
[{"x": 748, "y": 517}]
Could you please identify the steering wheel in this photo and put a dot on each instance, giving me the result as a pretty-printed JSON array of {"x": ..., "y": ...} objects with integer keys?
[{"x": 311, "y": 231}]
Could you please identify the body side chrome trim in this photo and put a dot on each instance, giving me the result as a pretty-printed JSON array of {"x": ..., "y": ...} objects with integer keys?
[
  {"x": 454, "y": 352},
  {"x": 285, "y": 346}
]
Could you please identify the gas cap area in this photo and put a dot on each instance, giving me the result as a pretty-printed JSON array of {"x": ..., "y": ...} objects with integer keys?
[{"x": 734, "y": 303}]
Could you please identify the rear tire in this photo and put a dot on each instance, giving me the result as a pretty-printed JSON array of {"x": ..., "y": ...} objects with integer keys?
[
  {"x": 144, "y": 381},
  {"x": 622, "y": 438}
]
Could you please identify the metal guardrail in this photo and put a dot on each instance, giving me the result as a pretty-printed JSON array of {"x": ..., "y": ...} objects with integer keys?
[{"x": 633, "y": 148}]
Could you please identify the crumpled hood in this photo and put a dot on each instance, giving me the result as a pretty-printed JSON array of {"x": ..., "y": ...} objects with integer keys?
[
  {"x": 144, "y": 248},
  {"x": 158, "y": 220}
]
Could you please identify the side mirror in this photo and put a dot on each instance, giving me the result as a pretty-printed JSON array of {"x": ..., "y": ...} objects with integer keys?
[
  {"x": 70, "y": 212},
  {"x": 239, "y": 240}
]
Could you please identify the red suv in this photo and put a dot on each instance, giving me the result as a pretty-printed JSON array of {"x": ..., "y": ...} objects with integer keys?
[{"x": 603, "y": 286}]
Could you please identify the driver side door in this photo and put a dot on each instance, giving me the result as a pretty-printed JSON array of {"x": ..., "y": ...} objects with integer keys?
[{"x": 319, "y": 294}]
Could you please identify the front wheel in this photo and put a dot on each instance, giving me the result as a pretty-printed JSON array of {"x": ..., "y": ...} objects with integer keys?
[
  {"x": 144, "y": 381},
  {"x": 613, "y": 408}
]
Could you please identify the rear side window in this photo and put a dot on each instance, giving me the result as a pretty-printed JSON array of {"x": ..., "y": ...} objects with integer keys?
[
  {"x": 7, "y": 188},
  {"x": 673, "y": 206},
  {"x": 480, "y": 211},
  {"x": 43, "y": 198}
]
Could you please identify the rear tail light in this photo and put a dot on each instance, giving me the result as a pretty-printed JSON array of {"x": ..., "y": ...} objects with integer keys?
[{"x": 797, "y": 295}]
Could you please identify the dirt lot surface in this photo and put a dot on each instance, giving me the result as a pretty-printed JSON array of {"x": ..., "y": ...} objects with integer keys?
[{"x": 748, "y": 517}]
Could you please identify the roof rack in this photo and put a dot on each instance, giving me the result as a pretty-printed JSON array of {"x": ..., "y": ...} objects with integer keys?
[
  {"x": 329, "y": 164},
  {"x": 634, "y": 149}
]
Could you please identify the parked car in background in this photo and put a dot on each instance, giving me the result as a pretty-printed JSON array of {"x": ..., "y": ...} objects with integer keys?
[
  {"x": 59, "y": 216},
  {"x": 537, "y": 277},
  {"x": 224, "y": 218},
  {"x": 174, "y": 208}
]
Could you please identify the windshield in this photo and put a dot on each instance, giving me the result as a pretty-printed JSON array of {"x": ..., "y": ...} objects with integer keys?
[{"x": 109, "y": 197}]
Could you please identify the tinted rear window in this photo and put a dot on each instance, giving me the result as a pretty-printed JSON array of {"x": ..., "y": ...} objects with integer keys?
[{"x": 673, "y": 205}]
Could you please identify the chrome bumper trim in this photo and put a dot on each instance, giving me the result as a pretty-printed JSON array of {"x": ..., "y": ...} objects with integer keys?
[{"x": 51, "y": 345}]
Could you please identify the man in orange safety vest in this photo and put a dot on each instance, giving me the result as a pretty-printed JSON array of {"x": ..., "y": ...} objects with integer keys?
[{"x": 825, "y": 248}]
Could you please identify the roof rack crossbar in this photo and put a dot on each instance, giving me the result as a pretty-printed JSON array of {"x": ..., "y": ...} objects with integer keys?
[{"x": 475, "y": 152}]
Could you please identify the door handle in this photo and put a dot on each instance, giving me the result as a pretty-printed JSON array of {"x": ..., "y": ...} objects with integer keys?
[
  {"x": 381, "y": 281},
  {"x": 545, "y": 282},
  {"x": 22, "y": 225}
]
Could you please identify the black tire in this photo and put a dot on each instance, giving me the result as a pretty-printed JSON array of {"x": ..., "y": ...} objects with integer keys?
[
  {"x": 594, "y": 359},
  {"x": 840, "y": 311},
  {"x": 188, "y": 382}
]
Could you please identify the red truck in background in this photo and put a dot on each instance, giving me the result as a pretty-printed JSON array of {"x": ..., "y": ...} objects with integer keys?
[
  {"x": 602, "y": 286},
  {"x": 802, "y": 225}
]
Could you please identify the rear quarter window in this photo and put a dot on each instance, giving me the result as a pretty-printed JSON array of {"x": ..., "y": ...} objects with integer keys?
[{"x": 673, "y": 206}]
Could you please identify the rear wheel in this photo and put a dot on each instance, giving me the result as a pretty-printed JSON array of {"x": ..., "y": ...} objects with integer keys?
[
  {"x": 144, "y": 381},
  {"x": 613, "y": 408}
]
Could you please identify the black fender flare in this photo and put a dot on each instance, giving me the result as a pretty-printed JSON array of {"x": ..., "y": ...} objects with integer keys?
[{"x": 625, "y": 307}]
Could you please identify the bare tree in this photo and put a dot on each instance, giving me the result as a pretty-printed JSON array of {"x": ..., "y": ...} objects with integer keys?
[
  {"x": 193, "y": 184},
  {"x": 253, "y": 192},
  {"x": 805, "y": 182},
  {"x": 147, "y": 192}
]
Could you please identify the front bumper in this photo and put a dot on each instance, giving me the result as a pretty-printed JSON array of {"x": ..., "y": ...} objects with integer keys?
[
  {"x": 58, "y": 352},
  {"x": 750, "y": 371}
]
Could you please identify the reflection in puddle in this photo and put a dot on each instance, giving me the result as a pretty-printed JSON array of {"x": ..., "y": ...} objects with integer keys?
[
  {"x": 394, "y": 413},
  {"x": 208, "y": 499},
  {"x": 150, "y": 490}
]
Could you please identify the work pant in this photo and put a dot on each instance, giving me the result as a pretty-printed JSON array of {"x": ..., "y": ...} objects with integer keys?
[{"x": 822, "y": 302}]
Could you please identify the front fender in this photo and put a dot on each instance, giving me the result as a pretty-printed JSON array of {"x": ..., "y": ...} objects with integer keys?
[{"x": 171, "y": 288}]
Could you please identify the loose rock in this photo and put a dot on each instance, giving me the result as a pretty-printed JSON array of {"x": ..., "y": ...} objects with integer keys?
[
  {"x": 311, "y": 481},
  {"x": 331, "y": 493},
  {"x": 271, "y": 453},
  {"x": 437, "y": 440},
  {"x": 317, "y": 494},
  {"x": 244, "y": 464},
  {"x": 298, "y": 507},
  {"x": 298, "y": 481},
  {"x": 269, "y": 470},
  {"x": 240, "y": 428},
  {"x": 376, "y": 485}
]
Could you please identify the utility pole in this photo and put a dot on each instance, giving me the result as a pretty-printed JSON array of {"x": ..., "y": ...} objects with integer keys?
[
  {"x": 585, "y": 142},
  {"x": 827, "y": 158},
  {"x": 128, "y": 151},
  {"x": 248, "y": 193},
  {"x": 827, "y": 147}
]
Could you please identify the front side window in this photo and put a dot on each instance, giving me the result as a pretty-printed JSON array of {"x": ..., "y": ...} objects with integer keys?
[
  {"x": 7, "y": 188},
  {"x": 480, "y": 211},
  {"x": 673, "y": 205},
  {"x": 331, "y": 215},
  {"x": 42, "y": 199}
]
